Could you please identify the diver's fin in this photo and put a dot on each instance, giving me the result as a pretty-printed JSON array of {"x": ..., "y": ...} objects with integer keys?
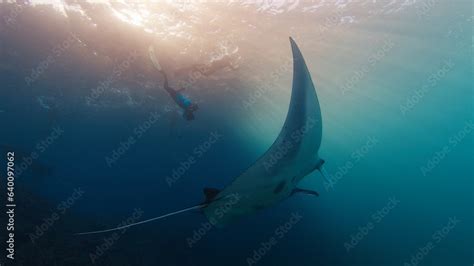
[
  {"x": 154, "y": 60},
  {"x": 145, "y": 221},
  {"x": 210, "y": 194},
  {"x": 305, "y": 191}
]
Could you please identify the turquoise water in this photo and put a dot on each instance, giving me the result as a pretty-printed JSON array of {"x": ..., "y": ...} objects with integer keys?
[{"x": 395, "y": 86}]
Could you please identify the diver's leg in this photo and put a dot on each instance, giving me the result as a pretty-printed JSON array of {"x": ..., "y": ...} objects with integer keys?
[{"x": 165, "y": 84}]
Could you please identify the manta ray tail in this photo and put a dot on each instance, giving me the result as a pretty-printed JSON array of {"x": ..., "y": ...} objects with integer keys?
[{"x": 145, "y": 221}]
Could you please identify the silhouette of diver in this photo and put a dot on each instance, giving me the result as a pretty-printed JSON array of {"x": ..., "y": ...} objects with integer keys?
[{"x": 184, "y": 102}]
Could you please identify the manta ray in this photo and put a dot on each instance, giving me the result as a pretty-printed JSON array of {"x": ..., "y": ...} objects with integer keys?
[{"x": 275, "y": 175}]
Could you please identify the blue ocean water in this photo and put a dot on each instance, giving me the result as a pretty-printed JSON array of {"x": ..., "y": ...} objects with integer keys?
[{"x": 394, "y": 81}]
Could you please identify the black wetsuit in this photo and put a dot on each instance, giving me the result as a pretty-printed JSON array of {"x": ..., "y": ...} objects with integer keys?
[{"x": 184, "y": 102}]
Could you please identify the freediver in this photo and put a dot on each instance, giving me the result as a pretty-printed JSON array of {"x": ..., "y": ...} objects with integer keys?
[
  {"x": 179, "y": 98},
  {"x": 184, "y": 102}
]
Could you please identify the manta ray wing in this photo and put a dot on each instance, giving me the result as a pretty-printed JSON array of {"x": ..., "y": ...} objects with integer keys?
[{"x": 292, "y": 156}]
